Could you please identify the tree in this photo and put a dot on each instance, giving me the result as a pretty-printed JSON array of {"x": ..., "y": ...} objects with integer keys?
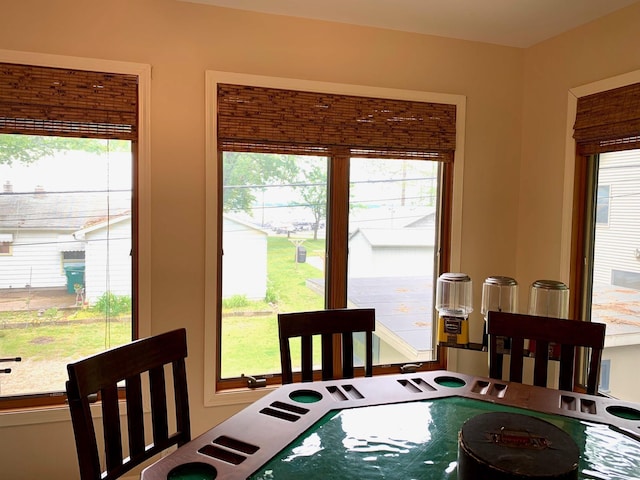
[
  {"x": 314, "y": 193},
  {"x": 246, "y": 173},
  {"x": 29, "y": 148}
]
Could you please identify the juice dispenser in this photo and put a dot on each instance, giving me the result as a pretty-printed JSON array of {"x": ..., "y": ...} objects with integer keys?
[
  {"x": 499, "y": 294},
  {"x": 548, "y": 298},
  {"x": 454, "y": 304}
]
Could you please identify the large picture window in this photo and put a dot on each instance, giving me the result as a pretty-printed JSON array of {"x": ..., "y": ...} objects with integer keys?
[
  {"x": 68, "y": 160},
  {"x": 607, "y": 199},
  {"x": 328, "y": 201}
]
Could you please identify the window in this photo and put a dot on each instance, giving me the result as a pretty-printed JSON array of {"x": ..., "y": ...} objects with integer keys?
[
  {"x": 605, "y": 278},
  {"x": 68, "y": 290},
  {"x": 602, "y": 203},
  {"x": 6, "y": 240},
  {"x": 605, "y": 374},
  {"x": 311, "y": 224},
  {"x": 623, "y": 278}
]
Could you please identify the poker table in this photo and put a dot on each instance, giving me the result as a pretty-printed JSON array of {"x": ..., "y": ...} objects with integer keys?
[{"x": 395, "y": 427}]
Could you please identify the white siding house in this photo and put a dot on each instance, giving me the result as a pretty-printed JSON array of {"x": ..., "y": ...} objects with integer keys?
[
  {"x": 618, "y": 220},
  {"x": 107, "y": 257},
  {"x": 244, "y": 260},
  {"x": 385, "y": 252},
  {"x": 42, "y": 233},
  {"x": 35, "y": 258}
]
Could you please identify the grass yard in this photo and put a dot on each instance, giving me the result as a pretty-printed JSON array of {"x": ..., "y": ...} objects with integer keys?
[
  {"x": 46, "y": 349},
  {"x": 73, "y": 339},
  {"x": 48, "y": 340},
  {"x": 250, "y": 343}
]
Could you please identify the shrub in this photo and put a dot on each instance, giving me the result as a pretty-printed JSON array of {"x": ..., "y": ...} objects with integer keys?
[
  {"x": 235, "y": 301},
  {"x": 112, "y": 304},
  {"x": 271, "y": 296}
]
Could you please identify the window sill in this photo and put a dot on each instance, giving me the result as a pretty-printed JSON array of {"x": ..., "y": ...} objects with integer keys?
[
  {"x": 239, "y": 396},
  {"x": 14, "y": 418}
]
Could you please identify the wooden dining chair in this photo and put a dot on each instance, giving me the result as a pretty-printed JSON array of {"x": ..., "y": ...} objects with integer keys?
[
  {"x": 325, "y": 323},
  {"x": 122, "y": 374},
  {"x": 567, "y": 334}
]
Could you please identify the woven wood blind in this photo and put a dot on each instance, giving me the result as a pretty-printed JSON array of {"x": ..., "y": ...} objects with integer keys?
[
  {"x": 61, "y": 102},
  {"x": 608, "y": 121},
  {"x": 269, "y": 120}
]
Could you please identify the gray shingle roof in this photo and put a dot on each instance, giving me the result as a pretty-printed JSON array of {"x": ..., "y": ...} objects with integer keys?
[{"x": 60, "y": 210}]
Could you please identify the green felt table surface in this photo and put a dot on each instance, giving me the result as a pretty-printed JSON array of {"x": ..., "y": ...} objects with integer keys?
[
  {"x": 401, "y": 426},
  {"x": 419, "y": 440}
]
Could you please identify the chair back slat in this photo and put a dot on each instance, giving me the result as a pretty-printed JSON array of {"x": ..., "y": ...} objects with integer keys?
[
  {"x": 368, "y": 340},
  {"x": 593, "y": 375},
  {"x": 517, "y": 347},
  {"x": 326, "y": 324},
  {"x": 135, "y": 415},
  {"x": 326, "y": 345},
  {"x": 103, "y": 374},
  {"x": 181, "y": 399},
  {"x": 541, "y": 365},
  {"x": 546, "y": 332},
  {"x": 159, "y": 415},
  {"x": 285, "y": 359},
  {"x": 568, "y": 356},
  {"x": 306, "y": 346},
  {"x": 347, "y": 356},
  {"x": 111, "y": 426}
]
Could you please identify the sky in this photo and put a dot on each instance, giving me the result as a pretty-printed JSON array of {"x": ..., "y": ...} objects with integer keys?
[{"x": 70, "y": 171}]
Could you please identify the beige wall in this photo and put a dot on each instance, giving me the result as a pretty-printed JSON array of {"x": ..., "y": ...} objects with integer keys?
[
  {"x": 512, "y": 180},
  {"x": 596, "y": 51},
  {"x": 588, "y": 54}
]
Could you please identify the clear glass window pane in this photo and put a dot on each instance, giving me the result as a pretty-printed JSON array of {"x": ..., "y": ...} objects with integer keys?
[
  {"x": 273, "y": 241},
  {"x": 392, "y": 247},
  {"x": 602, "y": 208},
  {"x": 616, "y": 269},
  {"x": 65, "y": 280}
]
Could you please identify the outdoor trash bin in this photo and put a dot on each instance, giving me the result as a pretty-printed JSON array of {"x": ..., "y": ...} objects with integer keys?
[
  {"x": 75, "y": 275},
  {"x": 301, "y": 255}
]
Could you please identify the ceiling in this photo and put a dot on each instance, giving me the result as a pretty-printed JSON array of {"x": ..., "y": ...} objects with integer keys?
[{"x": 516, "y": 23}]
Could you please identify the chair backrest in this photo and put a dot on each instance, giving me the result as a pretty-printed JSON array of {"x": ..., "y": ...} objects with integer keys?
[
  {"x": 133, "y": 364},
  {"x": 544, "y": 331},
  {"x": 325, "y": 323}
]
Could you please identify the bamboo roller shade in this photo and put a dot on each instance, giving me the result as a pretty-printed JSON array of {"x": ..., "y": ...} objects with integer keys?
[
  {"x": 269, "y": 120},
  {"x": 62, "y": 102},
  {"x": 608, "y": 121}
]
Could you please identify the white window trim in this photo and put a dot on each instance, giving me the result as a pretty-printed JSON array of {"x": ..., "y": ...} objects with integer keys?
[
  {"x": 213, "y": 78},
  {"x": 143, "y": 71}
]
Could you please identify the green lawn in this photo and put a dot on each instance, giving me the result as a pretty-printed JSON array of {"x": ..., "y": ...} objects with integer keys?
[
  {"x": 250, "y": 343},
  {"x": 64, "y": 340},
  {"x": 249, "y": 335}
]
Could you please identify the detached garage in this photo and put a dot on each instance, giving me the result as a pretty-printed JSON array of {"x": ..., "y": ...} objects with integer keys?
[{"x": 244, "y": 260}]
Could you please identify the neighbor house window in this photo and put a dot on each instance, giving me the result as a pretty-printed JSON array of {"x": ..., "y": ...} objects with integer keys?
[
  {"x": 602, "y": 204},
  {"x": 605, "y": 276},
  {"x": 68, "y": 144},
  {"x": 605, "y": 375},
  {"x": 5, "y": 243},
  {"x": 329, "y": 201},
  {"x": 623, "y": 278}
]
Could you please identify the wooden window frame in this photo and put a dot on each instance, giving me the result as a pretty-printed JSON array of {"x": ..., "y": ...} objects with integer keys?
[
  {"x": 450, "y": 200},
  {"x": 607, "y": 118},
  {"x": 141, "y": 238},
  {"x": 603, "y": 116}
]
